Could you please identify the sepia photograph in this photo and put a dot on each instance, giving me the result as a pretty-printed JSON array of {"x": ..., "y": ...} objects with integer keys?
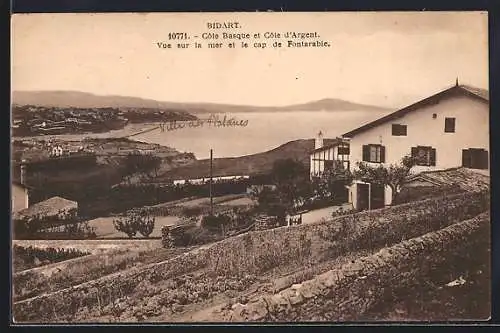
[{"x": 250, "y": 167}]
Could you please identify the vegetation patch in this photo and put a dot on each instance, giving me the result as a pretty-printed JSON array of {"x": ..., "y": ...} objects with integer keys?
[
  {"x": 259, "y": 252},
  {"x": 28, "y": 257}
]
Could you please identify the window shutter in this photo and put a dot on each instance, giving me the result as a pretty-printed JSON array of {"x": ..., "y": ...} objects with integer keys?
[
  {"x": 466, "y": 158},
  {"x": 366, "y": 153},
  {"x": 414, "y": 151},
  {"x": 433, "y": 157},
  {"x": 449, "y": 125},
  {"x": 382, "y": 154},
  {"x": 484, "y": 160}
]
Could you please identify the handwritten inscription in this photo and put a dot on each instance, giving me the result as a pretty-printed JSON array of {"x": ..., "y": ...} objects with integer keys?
[{"x": 214, "y": 121}]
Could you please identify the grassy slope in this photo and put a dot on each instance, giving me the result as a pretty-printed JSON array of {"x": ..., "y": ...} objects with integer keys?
[{"x": 245, "y": 165}]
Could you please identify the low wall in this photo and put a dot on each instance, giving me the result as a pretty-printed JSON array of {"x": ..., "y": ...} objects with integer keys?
[
  {"x": 256, "y": 252},
  {"x": 201, "y": 210},
  {"x": 348, "y": 292}
]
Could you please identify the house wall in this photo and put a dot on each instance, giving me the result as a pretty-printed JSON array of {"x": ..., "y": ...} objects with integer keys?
[
  {"x": 424, "y": 130},
  {"x": 19, "y": 198},
  {"x": 353, "y": 194},
  {"x": 317, "y": 158}
]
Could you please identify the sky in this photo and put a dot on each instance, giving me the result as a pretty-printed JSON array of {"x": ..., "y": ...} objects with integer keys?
[{"x": 387, "y": 59}]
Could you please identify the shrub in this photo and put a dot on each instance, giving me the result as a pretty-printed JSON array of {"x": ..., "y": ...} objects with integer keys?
[
  {"x": 26, "y": 228},
  {"x": 216, "y": 222},
  {"x": 146, "y": 223},
  {"x": 127, "y": 225},
  {"x": 27, "y": 257},
  {"x": 79, "y": 230},
  {"x": 137, "y": 220}
]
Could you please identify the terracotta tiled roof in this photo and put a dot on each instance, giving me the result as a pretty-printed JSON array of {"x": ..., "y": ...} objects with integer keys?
[
  {"x": 48, "y": 207},
  {"x": 483, "y": 93},
  {"x": 466, "y": 179}
]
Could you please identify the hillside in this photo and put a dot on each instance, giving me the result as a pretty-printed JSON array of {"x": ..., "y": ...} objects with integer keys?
[
  {"x": 244, "y": 165},
  {"x": 87, "y": 100}
]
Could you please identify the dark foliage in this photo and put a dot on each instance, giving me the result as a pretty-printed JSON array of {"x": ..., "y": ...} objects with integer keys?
[
  {"x": 28, "y": 257},
  {"x": 393, "y": 175},
  {"x": 137, "y": 220},
  {"x": 216, "y": 222}
]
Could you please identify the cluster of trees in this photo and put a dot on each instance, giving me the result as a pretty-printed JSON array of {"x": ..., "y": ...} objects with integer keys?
[
  {"x": 144, "y": 166},
  {"x": 40, "y": 226},
  {"x": 294, "y": 190}
]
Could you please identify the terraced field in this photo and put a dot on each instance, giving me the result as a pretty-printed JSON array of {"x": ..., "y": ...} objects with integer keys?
[{"x": 221, "y": 281}]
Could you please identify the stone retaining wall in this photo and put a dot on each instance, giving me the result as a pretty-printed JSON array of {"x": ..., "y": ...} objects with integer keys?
[
  {"x": 346, "y": 293},
  {"x": 256, "y": 252}
]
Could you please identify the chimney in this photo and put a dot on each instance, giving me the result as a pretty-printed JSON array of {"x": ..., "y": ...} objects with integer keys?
[
  {"x": 23, "y": 172},
  {"x": 319, "y": 141}
]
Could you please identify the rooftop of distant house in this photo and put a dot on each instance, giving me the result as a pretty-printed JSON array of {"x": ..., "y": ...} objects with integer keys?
[
  {"x": 457, "y": 89},
  {"x": 464, "y": 178},
  {"x": 48, "y": 207}
]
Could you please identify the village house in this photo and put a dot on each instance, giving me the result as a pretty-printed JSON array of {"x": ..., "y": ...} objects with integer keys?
[
  {"x": 19, "y": 192},
  {"x": 446, "y": 130},
  {"x": 55, "y": 210},
  {"x": 20, "y": 198},
  {"x": 56, "y": 151},
  {"x": 327, "y": 154}
]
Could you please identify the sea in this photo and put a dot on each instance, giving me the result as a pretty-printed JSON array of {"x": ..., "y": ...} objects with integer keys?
[
  {"x": 241, "y": 134},
  {"x": 250, "y": 133}
]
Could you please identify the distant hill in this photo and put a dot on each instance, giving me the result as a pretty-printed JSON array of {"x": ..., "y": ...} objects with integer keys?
[
  {"x": 244, "y": 165},
  {"x": 332, "y": 104},
  {"x": 78, "y": 99}
]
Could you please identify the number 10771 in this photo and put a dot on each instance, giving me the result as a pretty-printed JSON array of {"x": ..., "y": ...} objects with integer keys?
[{"x": 177, "y": 35}]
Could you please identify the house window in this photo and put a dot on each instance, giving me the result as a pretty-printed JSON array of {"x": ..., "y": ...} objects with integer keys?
[
  {"x": 398, "y": 130},
  {"x": 423, "y": 155},
  {"x": 343, "y": 151},
  {"x": 328, "y": 165},
  {"x": 374, "y": 153},
  {"x": 475, "y": 158},
  {"x": 449, "y": 125}
]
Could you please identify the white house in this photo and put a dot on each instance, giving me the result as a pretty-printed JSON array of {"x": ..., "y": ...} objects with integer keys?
[
  {"x": 448, "y": 129},
  {"x": 326, "y": 153},
  {"x": 19, "y": 192},
  {"x": 19, "y": 197}
]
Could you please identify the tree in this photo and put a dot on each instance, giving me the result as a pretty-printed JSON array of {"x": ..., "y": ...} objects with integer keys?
[
  {"x": 191, "y": 215},
  {"x": 127, "y": 225},
  {"x": 142, "y": 165},
  {"x": 137, "y": 220},
  {"x": 393, "y": 175},
  {"x": 146, "y": 223},
  {"x": 216, "y": 222},
  {"x": 291, "y": 178},
  {"x": 332, "y": 182},
  {"x": 270, "y": 202}
]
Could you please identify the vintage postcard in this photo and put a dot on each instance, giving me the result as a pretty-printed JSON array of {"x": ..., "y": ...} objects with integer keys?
[{"x": 250, "y": 167}]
